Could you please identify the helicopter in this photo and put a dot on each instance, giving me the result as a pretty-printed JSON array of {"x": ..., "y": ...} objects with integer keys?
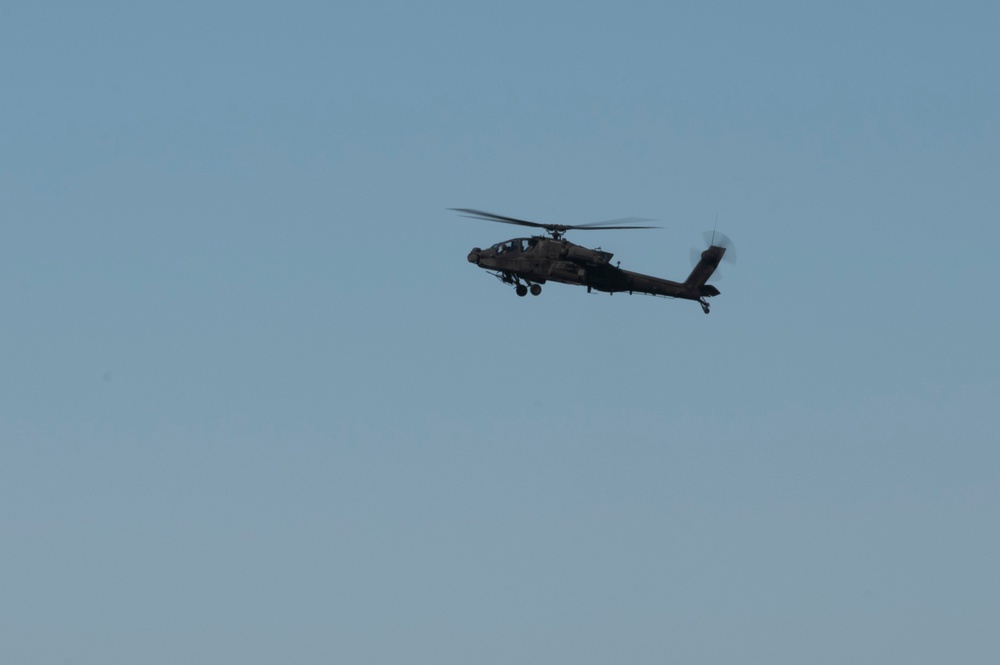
[{"x": 527, "y": 263}]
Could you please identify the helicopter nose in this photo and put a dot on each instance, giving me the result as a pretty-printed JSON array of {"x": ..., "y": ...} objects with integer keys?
[{"x": 474, "y": 255}]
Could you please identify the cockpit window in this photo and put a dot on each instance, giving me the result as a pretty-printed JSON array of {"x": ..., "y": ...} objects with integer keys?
[{"x": 517, "y": 245}]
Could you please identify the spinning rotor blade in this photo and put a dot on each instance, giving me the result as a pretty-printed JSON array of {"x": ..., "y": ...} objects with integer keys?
[
  {"x": 614, "y": 224},
  {"x": 490, "y": 217},
  {"x": 694, "y": 255},
  {"x": 716, "y": 239},
  {"x": 558, "y": 228}
]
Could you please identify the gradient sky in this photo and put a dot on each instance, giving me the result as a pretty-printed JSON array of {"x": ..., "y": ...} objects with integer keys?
[{"x": 256, "y": 407}]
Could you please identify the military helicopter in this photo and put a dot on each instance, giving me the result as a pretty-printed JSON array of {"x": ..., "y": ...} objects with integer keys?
[{"x": 527, "y": 263}]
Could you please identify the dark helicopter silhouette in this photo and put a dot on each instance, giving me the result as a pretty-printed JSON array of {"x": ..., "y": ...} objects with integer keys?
[{"x": 527, "y": 263}]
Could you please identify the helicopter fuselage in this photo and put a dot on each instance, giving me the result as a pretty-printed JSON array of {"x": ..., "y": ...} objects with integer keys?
[{"x": 540, "y": 259}]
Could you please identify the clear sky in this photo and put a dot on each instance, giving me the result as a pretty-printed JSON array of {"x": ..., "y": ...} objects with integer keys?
[{"x": 256, "y": 407}]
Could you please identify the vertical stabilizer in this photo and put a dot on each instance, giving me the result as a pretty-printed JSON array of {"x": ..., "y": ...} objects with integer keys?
[{"x": 706, "y": 266}]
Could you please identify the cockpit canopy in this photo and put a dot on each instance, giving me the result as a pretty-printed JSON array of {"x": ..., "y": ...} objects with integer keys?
[{"x": 517, "y": 245}]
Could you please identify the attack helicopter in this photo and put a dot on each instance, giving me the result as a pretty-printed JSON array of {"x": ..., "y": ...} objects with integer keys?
[{"x": 527, "y": 263}]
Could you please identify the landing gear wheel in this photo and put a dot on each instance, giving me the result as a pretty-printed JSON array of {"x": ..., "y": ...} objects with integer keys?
[
  {"x": 521, "y": 290},
  {"x": 535, "y": 289}
]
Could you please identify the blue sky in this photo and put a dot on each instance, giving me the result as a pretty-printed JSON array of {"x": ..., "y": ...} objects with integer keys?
[{"x": 256, "y": 406}]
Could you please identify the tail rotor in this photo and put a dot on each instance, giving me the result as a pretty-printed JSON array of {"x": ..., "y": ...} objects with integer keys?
[{"x": 719, "y": 247}]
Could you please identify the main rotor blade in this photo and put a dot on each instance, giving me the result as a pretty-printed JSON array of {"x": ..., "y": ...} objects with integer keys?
[
  {"x": 609, "y": 224},
  {"x": 489, "y": 216},
  {"x": 593, "y": 227},
  {"x": 616, "y": 224}
]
